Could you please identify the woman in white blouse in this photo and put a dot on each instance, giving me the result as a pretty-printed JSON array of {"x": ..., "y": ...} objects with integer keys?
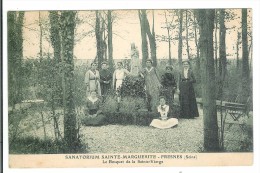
[
  {"x": 92, "y": 80},
  {"x": 119, "y": 75},
  {"x": 164, "y": 122}
]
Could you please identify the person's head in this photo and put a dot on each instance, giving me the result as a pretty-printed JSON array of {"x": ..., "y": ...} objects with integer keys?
[
  {"x": 168, "y": 68},
  {"x": 104, "y": 65},
  {"x": 162, "y": 100},
  {"x": 93, "y": 66},
  {"x": 186, "y": 64},
  {"x": 149, "y": 63},
  {"x": 93, "y": 93},
  {"x": 119, "y": 65}
]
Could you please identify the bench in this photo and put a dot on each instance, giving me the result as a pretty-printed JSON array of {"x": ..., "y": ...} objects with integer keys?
[{"x": 234, "y": 113}]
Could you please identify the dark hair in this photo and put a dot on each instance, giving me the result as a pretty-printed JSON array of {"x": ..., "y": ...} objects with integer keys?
[
  {"x": 149, "y": 60},
  {"x": 169, "y": 67},
  {"x": 104, "y": 63},
  {"x": 93, "y": 63},
  {"x": 162, "y": 97},
  {"x": 186, "y": 61}
]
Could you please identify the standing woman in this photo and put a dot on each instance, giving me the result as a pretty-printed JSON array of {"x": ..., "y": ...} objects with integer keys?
[
  {"x": 152, "y": 85},
  {"x": 188, "y": 104},
  {"x": 92, "y": 79},
  {"x": 119, "y": 75},
  {"x": 105, "y": 79},
  {"x": 169, "y": 87}
]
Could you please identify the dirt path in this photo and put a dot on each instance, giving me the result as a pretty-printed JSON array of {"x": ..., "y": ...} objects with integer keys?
[{"x": 186, "y": 137}]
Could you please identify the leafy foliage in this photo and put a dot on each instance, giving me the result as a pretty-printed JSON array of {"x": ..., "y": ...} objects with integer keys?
[{"x": 133, "y": 87}]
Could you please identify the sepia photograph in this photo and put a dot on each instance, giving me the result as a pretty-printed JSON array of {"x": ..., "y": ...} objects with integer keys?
[{"x": 130, "y": 88}]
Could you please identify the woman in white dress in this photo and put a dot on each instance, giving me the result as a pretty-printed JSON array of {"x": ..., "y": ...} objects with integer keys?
[
  {"x": 164, "y": 122},
  {"x": 119, "y": 75},
  {"x": 92, "y": 80}
]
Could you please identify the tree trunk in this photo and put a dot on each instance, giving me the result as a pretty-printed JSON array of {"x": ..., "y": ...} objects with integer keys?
[
  {"x": 197, "y": 47},
  {"x": 144, "y": 38},
  {"x": 110, "y": 37},
  {"x": 180, "y": 39},
  {"x": 11, "y": 18},
  {"x": 99, "y": 40},
  {"x": 40, "y": 26},
  {"x": 206, "y": 23},
  {"x": 151, "y": 36},
  {"x": 222, "y": 45},
  {"x": 15, "y": 55},
  {"x": 67, "y": 46},
  {"x": 19, "y": 48},
  {"x": 245, "y": 63},
  {"x": 187, "y": 34},
  {"x": 169, "y": 38},
  {"x": 237, "y": 50},
  {"x": 55, "y": 37},
  {"x": 216, "y": 42}
]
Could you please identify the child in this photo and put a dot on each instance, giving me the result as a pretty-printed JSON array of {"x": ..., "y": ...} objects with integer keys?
[{"x": 163, "y": 122}]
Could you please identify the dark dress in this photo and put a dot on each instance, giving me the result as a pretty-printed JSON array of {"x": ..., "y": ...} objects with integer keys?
[
  {"x": 168, "y": 90},
  {"x": 105, "y": 76},
  {"x": 188, "y": 104},
  {"x": 93, "y": 114}
]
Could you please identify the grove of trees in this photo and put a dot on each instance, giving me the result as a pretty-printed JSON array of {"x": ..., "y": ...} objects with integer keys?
[{"x": 197, "y": 35}]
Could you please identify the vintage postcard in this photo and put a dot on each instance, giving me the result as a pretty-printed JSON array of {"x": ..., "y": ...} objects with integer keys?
[{"x": 130, "y": 88}]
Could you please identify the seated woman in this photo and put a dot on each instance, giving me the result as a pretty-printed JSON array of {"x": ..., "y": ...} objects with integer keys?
[
  {"x": 93, "y": 114},
  {"x": 163, "y": 122}
]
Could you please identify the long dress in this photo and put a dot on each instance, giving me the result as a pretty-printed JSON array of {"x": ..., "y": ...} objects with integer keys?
[
  {"x": 188, "y": 104},
  {"x": 164, "y": 122},
  {"x": 169, "y": 83},
  {"x": 92, "y": 80},
  {"x": 152, "y": 87},
  {"x": 93, "y": 114},
  {"x": 118, "y": 77},
  {"x": 105, "y": 81}
]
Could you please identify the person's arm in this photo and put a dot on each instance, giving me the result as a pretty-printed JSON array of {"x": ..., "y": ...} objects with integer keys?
[
  {"x": 157, "y": 75},
  {"x": 98, "y": 76},
  {"x": 192, "y": 77},
  {"x": 87, "y": 79},
  {"x": 174, "y": 82},
  {"x": 163, "y": 80},
  {"x": 102, "y": 79},
  {"x": 179, "y": 81},
  {"x": 114, "y": 79},
  {"x": 141, "y": 73},
  {"x": 126, "y": 72},
  {"x": 110, "y": 77}
]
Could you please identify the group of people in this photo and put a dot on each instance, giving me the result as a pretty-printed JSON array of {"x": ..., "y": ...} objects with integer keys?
[{"x": 160, "y": 92}]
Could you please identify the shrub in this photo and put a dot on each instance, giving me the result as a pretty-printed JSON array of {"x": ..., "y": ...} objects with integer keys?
[
  {"x": 31, "y": 145},
  {"x": 133, "y": 87}
]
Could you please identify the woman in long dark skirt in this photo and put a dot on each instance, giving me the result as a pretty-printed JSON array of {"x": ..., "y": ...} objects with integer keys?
[
  {"x": 169, "y": 87},
  {"x": 188, "y": 104}
]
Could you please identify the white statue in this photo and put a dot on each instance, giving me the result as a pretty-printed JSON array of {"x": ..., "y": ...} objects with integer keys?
[{"x": 135, "y": 63}]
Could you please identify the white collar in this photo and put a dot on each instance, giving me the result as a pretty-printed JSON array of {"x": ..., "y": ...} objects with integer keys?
[
  {"x": 149, "y": 70},
  {"x": 93, "y": 72},
  {"x": 92, "y": 100}
]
